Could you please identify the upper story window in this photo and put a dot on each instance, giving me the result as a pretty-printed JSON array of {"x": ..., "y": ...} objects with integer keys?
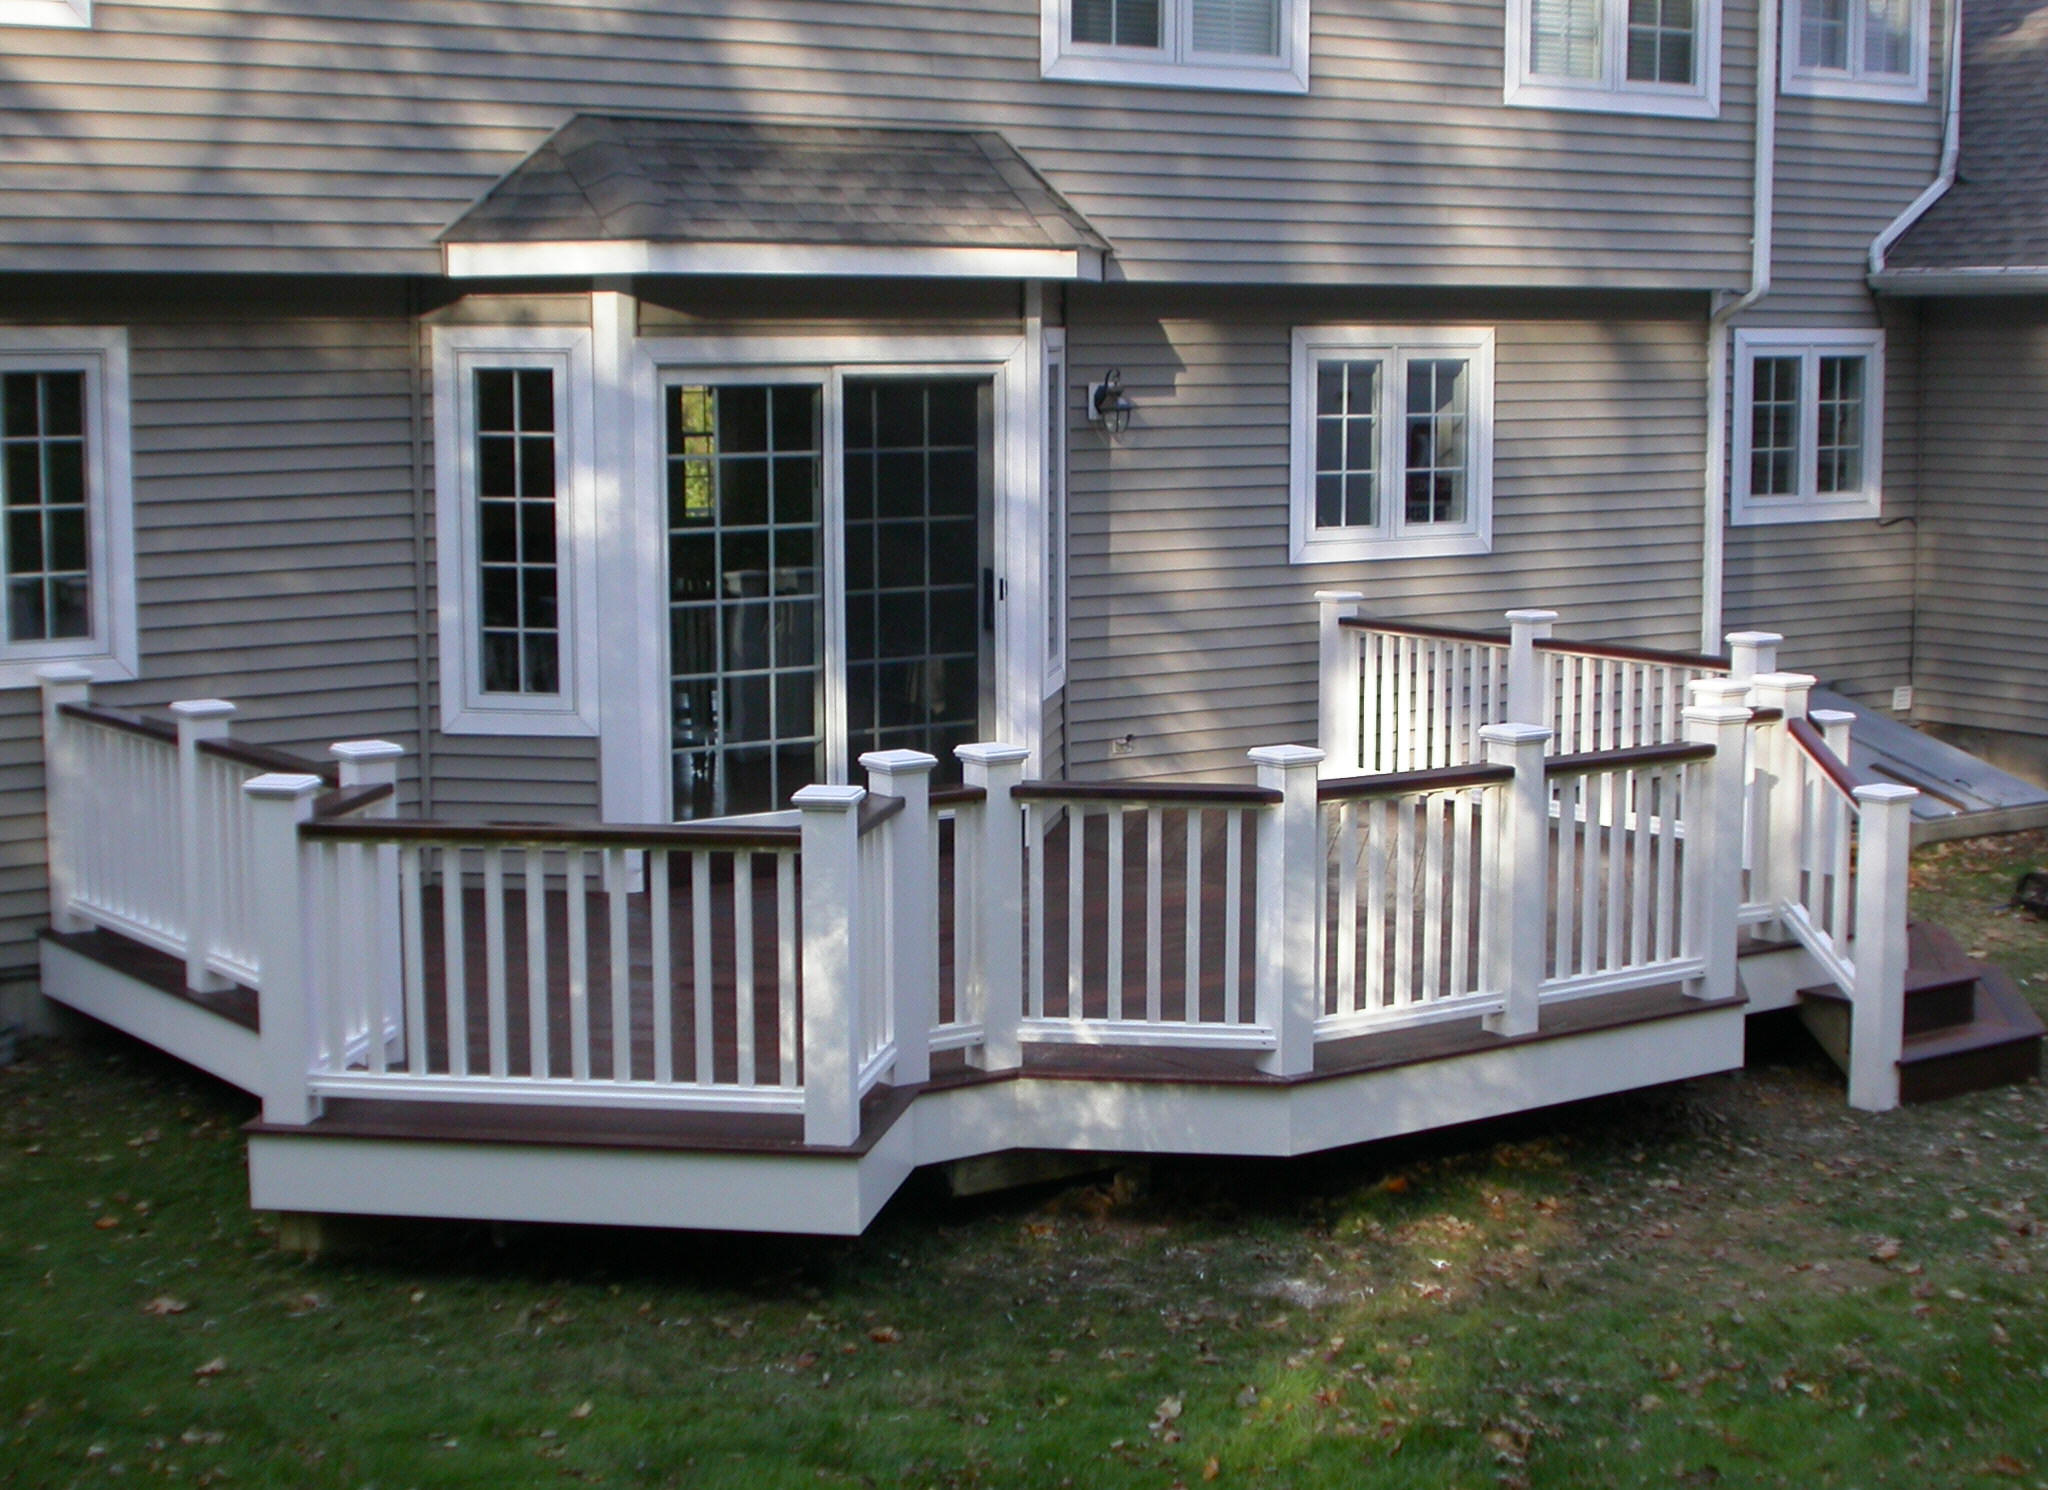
[
  {"x": 1857, "y": 48},
  {"x": 1809, "y": 425},
  {"x": 71, "y": 13},
  {"x": 66, "y": 538},
  {"x": 516, "y": 534},
  {"x": 1247, "y": 44},
  {"x": 1615, "y": 56},
  {"x": 1393, "y": 442}
]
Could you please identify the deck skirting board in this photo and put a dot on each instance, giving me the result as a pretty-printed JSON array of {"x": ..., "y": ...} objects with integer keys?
[{"x": 215, "y": 1044}]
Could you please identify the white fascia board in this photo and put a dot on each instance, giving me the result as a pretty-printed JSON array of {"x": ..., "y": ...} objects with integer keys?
[
  {"x": 558, "y": 260},
  {"x": 1990, "y": 280}
]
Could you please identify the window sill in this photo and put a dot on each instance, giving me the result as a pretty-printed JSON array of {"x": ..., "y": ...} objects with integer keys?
[
  {"x": 1763, "y": 512},
  {"x": 18, "y": 668},
  {"x": 1369, "y": 547},
  {"x": 1868, "y": 90},
  {"x": 557, "y": 720},
  {"x": 1673, "y": 105},
  {"x": 1271, "y": 77}
]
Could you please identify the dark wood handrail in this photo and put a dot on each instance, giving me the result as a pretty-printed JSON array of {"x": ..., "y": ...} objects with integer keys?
[
  {"x": 1621, "y": 653},
  {"x": 1765, "y": 716},
  {"x": 120, "y": 719},
  {"x": 959, "y": 796},
  {"x": 269, "y": 758},
  {"x": 1635, "y": 755},
  {"x": 1815, "y": 744},
  {"x": 343, "y": 801},
  {"x": 1400, "y": 783},
  {"x": 554, "y": 835},
  {"x": 876, "y": 809},
  {"x": 1434, "y": 633},
  {"x": 1147, "y": 794}
]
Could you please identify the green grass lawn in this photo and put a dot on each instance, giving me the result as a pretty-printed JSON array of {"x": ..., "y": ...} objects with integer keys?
[{"x": 1734, "y": 1281}]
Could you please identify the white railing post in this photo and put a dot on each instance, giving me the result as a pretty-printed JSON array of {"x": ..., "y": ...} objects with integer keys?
[
  {"x": 1714, "y": 715},
  {"x": 1341, "y": 681},
  {"x": 1289, "y": 987},
  {"x": 375, "y": 763},
  {"x": 1834, "y": 726},
  {"x": 1774, "y": 841},
  {"x": 1752, "y": 653},
  {"x": 62, "y": 683},
  {"x": 1528, "y": 699},
  {"x": 1000, "y": 908},
  {"x": 198, "y": 857},
  {"x": 279, "y": 802},
  {"x": 831, "y": 962},
  {"x": 910, "y": 961},
  {"x": 1884, "y": 841},
  {"x": 1516, "y": 881}
]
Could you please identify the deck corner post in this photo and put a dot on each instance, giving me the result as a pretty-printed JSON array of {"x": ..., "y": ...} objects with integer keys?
[
  {"x": 279, "y": 803},
  {"x": 911, "y": 958},
  {"x": 1289, "y": 985},
  {"x": 831, "y": 963},
  {"x": 1000, "y": 926},
  {"x": 1835, "y": 726},
  {"x": 1774, "y": 832},
  {"x": 1884, "y": 842},
  {"x": 62, "y": 683},
  {"x": 1527, "y": 697},
  {"x": 1340, "y": 681},
  {"x": 1517, "y": 881},
  {"x": 1714, "y": 715},
  {"x": 1752, "y": 654},
  {"x": 198, "y": 855}
]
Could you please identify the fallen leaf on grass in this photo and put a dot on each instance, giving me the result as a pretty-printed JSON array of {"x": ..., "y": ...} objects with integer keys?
[
  {"x": 213, "y": 1367},
  {"x": 197, "y": 1436},
  {"x": 886, "y": 1334},
  {"x": 1885, "y": 1250},
  {"x": 1164, "y": 1416},
  {"x": 299, "y": 1306},
  {"x": 107, "y": 1223},
  {"x": 1211, "y": 1468},
  {"x": 164, "y": 1304},
  {"x": 2003, "y": 1464},
  {"x": 581, "y": 1411}
]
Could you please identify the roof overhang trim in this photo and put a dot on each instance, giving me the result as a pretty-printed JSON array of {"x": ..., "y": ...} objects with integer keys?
[
  {"x": 626, "y": 257},
  {"x": 1989, "y": 280}
]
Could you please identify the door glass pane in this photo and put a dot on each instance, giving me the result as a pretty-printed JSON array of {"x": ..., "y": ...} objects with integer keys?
[
  {"x": 917, "y": 449},
  {"x": 745, "y": 623}
]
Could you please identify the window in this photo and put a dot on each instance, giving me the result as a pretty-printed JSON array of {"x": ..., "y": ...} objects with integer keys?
[
  {"x": 1393, "y": 442},
  {"x": 1808, "y": 437},
  {"x": 71, "y": 13},
  {"x": 1857, "y": 48},
  {"x": 66, "y": 540},
  {"x": 518, "y": 632},
  {"x": 1615, "y": 56},
  {"x": 1246, "y": 44}
]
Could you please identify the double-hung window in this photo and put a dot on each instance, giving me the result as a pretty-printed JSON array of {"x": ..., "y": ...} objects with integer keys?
[
  {"x": 1808, "y": 436},
  {"x": 516, "y": 531},
  {"x": 1259, "y": 45},
  {"x": 1393, "y": 442},
  {"x": 1615, "y": 56},
  {"x": 66, "y": 530},
  {"x": 1857, "y": 48}
]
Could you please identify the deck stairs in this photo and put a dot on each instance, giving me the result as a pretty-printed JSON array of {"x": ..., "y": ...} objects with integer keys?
[{"x": 1967, "y": 1027}]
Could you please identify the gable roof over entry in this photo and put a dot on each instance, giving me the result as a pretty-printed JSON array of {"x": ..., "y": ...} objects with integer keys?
[{"x": 616, "y": 194}]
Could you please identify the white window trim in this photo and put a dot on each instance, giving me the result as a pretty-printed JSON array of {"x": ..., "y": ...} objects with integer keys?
[
  {"x": 465, "y": 708},
  {"x": 71, "y": 14},
  {"x": 1807, "y": 506},
  {"x": 1058, "y": 526},
  {"x": 1178, "y": 65},
  {"x": 1614, "y": 93},
  {"x": 1308, "y": 544},
  {"x": 1851, "y": 82},
  {"x": 101, "y": 353}
]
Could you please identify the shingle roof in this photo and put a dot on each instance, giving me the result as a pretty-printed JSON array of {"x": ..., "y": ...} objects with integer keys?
[
  {"x": 604, "y": 177},
  {"x": 1996, "y": 214}
]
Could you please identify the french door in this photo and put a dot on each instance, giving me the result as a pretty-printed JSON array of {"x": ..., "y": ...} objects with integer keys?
[{"x": 829, "y": 578}]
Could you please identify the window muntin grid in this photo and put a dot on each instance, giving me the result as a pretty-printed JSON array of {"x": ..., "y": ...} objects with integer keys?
[
  {"x": 1116, "y": 23},
  {"x": 1437, "y": 445},
  {"x": 1774, "y": 427},
  {"x": 1661, "y": 35},
  {"x": 1347, "y": 443},
  {"x": 1839, "y": 424},
  {"x": 746, "y": 624},
  {"x": 518, "y": 531},
  {"x": 43, "y": 492}
]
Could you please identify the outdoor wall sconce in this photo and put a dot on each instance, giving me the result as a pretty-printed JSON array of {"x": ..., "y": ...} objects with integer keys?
[{"x": 1108, "y": 404}]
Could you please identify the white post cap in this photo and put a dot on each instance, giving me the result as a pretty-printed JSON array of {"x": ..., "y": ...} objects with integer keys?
[
  {"x": 991, "y": 753},
  {"x": 361, "y": 751},
  {"x": 1285, "y": 755},
  {"x": 898, "y": 762},
  {"x": 1513, "y": 734},
  {"x": 202, "y": 708},
  {"x": 824, "y": 798},
  {"x": 283, "y": 784}
]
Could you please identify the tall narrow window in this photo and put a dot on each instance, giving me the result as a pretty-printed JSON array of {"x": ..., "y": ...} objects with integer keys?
[
  {"x": 517, "y": 527},
  {"x": 1393, "y": 442},
  {"x": 66, "y": 589},
  {"x": 1857, "y": 48},
  {"x": 1808, "y": 425},
  {"x": 1616, "y": 56}
]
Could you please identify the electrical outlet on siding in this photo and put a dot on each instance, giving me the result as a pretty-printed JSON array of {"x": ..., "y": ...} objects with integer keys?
[
  {"x": 1123, "y": 745},
  {"x": 1902, "y": 699}
]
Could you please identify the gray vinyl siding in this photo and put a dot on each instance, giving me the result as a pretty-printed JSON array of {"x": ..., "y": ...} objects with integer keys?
[
  {"x": 308, "y": 136},
  {"x": 1841, "y": 593},
  {"x": 1983, "y": 527},
  {"x": 1193, "y": 633}
]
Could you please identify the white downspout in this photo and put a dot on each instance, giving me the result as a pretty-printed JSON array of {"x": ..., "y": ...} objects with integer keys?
[
  {"x": 1951, "y": 143},
  {"x": 1764, "y": 178}
]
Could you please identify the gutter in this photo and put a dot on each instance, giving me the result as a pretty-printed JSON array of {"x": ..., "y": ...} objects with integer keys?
[
  {"x": 1951, "y": 147},
  {"x": 1763, "y": 189}
]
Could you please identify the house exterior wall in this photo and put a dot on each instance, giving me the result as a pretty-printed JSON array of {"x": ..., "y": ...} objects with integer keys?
[
  {"x": 1983, "y": 532},
  {"x": 309, "y": 137}
]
